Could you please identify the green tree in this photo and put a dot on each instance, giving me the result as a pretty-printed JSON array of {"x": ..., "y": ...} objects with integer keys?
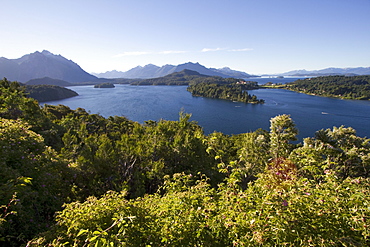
[
  {"x": 282, "y": 132},
  {"x": 37, "y": 176}
]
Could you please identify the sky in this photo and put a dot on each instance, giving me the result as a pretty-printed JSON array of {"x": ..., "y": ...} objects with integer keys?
[{"x": 254, "y": 36}]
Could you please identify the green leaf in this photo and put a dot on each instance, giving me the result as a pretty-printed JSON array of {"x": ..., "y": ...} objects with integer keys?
[{"x": 82, "y": 231}]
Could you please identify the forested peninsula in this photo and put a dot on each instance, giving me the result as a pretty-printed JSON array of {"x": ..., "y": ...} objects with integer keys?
[
  {"x": 345, "y": 87},
  {"x": 44, "y": 93},
  {"x": 234, "y": 91},
  {"x": 71, "y": 178},
  {"x": 104, "y": 85}
]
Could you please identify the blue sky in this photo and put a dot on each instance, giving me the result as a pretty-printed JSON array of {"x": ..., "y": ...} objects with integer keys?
[{"x": 255, "y": 36}]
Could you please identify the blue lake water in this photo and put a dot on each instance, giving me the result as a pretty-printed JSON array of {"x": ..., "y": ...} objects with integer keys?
[{"x": 142, "y": 103}]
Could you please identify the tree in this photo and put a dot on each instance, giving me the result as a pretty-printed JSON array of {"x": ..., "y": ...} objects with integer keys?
[{"x": 282, "y": 131}]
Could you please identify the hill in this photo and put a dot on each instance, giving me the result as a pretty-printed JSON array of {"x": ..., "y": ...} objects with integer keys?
[
  {"x": 176, "y": 78},
  {"x": 104, "y": 85},
  {"x": 43, "y": 64},
  {"x": 48, "y": 81},
  {"x": 347, "y": 87},
  {"x": 43, "y": 93},
  {"x": 153, "y": 71}
]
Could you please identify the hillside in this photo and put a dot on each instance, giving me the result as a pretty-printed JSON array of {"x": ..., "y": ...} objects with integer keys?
[
  {"x": 236, "y": 92},
  {"x": 43, "y": 64},
  {"x": 44, "y": 93},
  {"x": 346, "y": 87},
  {"x": 176, "y": 78}
]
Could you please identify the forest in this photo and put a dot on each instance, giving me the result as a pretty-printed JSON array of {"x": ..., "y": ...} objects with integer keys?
[
  {"x": 44, "y": 93},
  {"x": 235, "y": 91},
  {"x": 104, "y": 85},
  {"x": 345, "y": 87},
  {"x": 71, "y": 178}
]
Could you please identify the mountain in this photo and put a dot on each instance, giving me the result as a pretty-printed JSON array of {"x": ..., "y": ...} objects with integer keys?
[
  {"x": 153, "y": 71},
  {"x": 176, "y": 78},
  {"x": 329, "y": 71},
  {"x": 233, "y": 73},
  {"x": 110, "y": 74},
  {"x": 43, "y": 64}
]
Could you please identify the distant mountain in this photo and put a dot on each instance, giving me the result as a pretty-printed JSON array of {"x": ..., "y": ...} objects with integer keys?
[
  {"x": 329, "y": 71},
  {"x": 153, "y": 71},
  {"x": 110, "y": 74},
  {"x": 176, "y": 78},
  {"x": 233, "y": 73},
  {"x": 43, "y": 64}
]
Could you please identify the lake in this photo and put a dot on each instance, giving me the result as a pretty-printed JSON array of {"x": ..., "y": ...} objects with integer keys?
[{"x": 142, "y": 103}]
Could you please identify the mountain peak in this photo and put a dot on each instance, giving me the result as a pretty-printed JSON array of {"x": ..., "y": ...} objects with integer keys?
[
  {"x": 45, "y": 52},
  {"x": 43, "y": 64},
  {"x": 153, "y": 71}
]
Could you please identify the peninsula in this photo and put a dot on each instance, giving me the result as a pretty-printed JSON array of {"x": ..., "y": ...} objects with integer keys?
[{"x": 345, "y": 87}]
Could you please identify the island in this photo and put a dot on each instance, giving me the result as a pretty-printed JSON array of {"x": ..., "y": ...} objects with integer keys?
[
  {"x": 104, "y": 85},
  {"x": 344, "y": 87},
  {"x": 234, "y": 91},
  {"x": 43, "y": 93}
]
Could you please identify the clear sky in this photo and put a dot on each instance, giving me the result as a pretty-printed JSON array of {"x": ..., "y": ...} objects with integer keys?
[{"x": 254, "y": 36}]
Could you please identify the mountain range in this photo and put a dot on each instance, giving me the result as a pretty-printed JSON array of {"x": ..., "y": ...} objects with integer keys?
[
  {"x": 153, "y": 71},
  {"x": 48, "y": 67},
  {"x": 43, "y": 64},
  {"x": 329, "y": 71}
]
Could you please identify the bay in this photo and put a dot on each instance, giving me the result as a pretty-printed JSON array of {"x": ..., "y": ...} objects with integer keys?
[{"x": 142, "y": 103}]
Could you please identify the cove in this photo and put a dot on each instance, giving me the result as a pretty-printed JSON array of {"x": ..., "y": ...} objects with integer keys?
[{"x": 142, "y": 103}]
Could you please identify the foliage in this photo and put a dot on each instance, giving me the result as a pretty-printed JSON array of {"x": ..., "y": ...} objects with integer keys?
[
  {"x": 234, "y": 92},
  {"x": 165, "y": 183},
  {"x": 282, "y": 130},
  {"x": 297, "y": 212},
  {"x": 104, "y": 85},
  {"x": 347, "y": 87},
  {"x": 33, "y": 181},
  {"x": 338, "y": 150},
  {"x": 44, "y": 93}
]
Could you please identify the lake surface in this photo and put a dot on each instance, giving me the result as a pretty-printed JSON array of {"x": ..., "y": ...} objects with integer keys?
[{"x": 142, "y": 103}]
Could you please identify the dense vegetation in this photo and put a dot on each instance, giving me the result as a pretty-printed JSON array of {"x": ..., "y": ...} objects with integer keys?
[
  {"x": 104, "y": 85},
  {"x": 45, "y": 93},
  {"x": 346, "y": 87},
  {"x": 235, "y": 91},
  {"x": 165, "y": 183}
]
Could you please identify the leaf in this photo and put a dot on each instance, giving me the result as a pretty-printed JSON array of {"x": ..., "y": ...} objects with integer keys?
[
  {"x": 93, "y": 238},
  {"x": 82, "y": 231}
]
